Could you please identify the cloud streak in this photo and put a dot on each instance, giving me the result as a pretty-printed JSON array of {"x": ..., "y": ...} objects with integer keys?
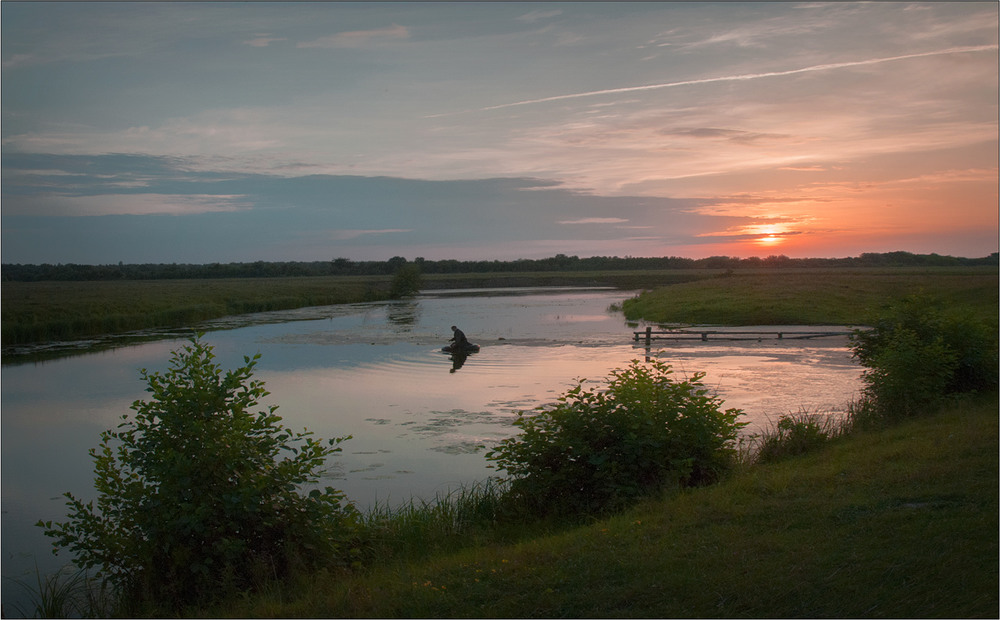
[
  {"x": 746, "y": 76},
  {"x": 358, "y": 38},
  {"x": 595, "y": 220}
]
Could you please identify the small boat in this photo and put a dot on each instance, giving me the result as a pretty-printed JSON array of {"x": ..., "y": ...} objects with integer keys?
[{"x": 468, "y": 348}]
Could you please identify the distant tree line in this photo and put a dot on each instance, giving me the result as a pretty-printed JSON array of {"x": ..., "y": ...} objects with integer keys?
[{"x": 559, "y": 262}]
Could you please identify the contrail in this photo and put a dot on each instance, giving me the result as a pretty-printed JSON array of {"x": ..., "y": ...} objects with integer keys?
[{"x": 748, "y": 76}]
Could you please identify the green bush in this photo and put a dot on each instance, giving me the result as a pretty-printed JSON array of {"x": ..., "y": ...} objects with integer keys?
[
  {"x": 917, "y": 353},
  {"x": 197, "y": 493},
  {"x": 597, "y": 450}
]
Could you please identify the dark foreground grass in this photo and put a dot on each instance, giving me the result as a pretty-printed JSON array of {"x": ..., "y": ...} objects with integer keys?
[
  {"x": 896, "y": 523},
  {"x": 812, "y": 297}
]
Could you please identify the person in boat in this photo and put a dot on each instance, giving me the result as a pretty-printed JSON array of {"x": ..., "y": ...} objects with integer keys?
[{"x": 461, "y": 342}]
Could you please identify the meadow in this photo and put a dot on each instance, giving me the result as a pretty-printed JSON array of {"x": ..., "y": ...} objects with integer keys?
[
  {"x": 813, "y": 296},
  {"x": 35, "y": 312}
]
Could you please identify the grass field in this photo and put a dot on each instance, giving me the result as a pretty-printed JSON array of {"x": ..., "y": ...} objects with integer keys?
[
  {"x": 896, "y": 523},
  {"x": 813, "y": 297},
  {"x": 51, "y": 311}
]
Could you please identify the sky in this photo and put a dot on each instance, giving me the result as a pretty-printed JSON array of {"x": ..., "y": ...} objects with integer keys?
[{"x": 234, "y": 132}]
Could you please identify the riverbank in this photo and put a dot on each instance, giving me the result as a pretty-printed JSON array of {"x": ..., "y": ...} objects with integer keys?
[
  {"x": 821, "y": 297},
  {"x": 896, "y": 523},
  {"x": 50, "y": 311}
]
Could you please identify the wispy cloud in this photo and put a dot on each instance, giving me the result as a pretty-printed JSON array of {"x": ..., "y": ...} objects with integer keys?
[
  {"x": 747, "y": 76},
  {"x": 16, "y": 60},
  {"x": 358, "y": 38},
  {"x": 729, "y": 135},
  {"x": 595, "y": 220},
  {"x": 535, "y": 16},
  {"x": 55, "y": 205},
  {"x": 347, "y": 235},
  {"x": 263, "y": 40}
]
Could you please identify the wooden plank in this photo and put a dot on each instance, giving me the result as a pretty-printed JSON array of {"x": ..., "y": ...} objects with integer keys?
[{"x": 649, "y": 335}]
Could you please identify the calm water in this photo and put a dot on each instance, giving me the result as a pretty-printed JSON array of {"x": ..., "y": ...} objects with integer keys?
[{"x": 376, "y": 371}]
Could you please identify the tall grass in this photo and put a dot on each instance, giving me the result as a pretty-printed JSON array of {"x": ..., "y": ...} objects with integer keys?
[
  {"x": 795, "y": 434},
  {"x": 421, "y": 526},
  {"x": 68, "y": 593},
  {"x": 471, "y": 515}
]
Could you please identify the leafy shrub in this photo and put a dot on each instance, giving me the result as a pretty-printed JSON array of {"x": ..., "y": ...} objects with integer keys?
[
  {"x": 197, "y": 492},
  {"x": 599, "y": 449},
  {"x": 916, "y": 354}
]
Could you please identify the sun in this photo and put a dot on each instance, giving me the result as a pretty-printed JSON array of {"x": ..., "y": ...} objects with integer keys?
[{"x": 772, "y": 235}]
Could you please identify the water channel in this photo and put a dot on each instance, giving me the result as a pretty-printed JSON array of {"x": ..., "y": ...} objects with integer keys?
[{"x": 376, "y": 371}]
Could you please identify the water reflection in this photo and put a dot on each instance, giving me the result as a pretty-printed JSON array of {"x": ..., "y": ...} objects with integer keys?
[
  {"x": 457, "y": 359},
  {"x": 403, "y": 314}
]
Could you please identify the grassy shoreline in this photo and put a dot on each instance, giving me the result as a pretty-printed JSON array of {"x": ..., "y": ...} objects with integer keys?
[
  {"x": 896, "y": 523},
  {"x": 845, "y": 297},
  {"x": 41, "y": 312}
]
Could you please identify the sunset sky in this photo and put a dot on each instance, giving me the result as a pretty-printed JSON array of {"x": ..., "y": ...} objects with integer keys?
[{"x": 219, "y": 132}]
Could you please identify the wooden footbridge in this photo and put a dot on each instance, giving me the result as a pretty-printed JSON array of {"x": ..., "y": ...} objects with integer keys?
[{"x": 705, "y": 334}]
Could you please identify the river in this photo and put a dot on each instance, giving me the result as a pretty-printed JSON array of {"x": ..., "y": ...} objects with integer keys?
[{"x": 376, "y": 371}]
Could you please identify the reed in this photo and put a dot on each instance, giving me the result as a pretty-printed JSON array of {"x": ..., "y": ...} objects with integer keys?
[
  {"x": 472, "y": 514},
  {"x": 68, "y": 593},
  {"x": 796, "y": 434}
]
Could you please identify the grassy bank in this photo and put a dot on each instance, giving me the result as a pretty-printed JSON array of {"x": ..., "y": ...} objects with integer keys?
[
  {"x": 38, "y": 312},
  {"x": 51, "y": 311},
  {"x": 896, "y": 523},
  {"x": 812, "y": 297}
]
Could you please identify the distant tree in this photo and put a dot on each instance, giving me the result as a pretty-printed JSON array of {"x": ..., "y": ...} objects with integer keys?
[
  {"x": 340, "y": 266},
  {"x": 406, "y": 281}
]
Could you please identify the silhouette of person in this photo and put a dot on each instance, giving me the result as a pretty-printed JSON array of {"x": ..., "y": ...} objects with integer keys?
[{"x": 461, "y": 341}]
